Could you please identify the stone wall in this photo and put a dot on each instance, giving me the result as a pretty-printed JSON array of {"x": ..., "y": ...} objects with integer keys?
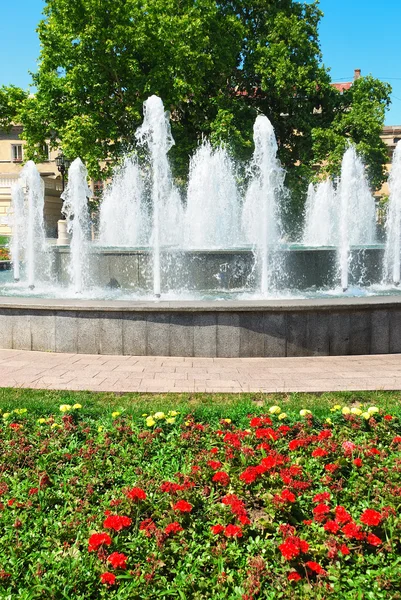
[{"x": 229, "y": 329}]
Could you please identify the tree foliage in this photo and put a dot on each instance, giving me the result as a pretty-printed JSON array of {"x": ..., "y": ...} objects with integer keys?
[{"x": 216, "y": 65}]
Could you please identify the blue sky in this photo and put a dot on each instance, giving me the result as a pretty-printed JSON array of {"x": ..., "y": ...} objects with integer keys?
[{"x": 353, "y": 33}]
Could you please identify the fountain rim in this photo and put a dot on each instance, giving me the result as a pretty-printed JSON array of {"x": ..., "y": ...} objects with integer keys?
[{"x": 221, "y": 306}]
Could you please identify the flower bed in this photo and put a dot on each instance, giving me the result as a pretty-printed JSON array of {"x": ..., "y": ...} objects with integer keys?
[
  {"x": 165, "y": 506},
  {"x": 4, "y": 254}
]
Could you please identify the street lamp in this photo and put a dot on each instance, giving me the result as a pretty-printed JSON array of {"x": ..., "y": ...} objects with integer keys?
[{"x": 62, "y": 165}]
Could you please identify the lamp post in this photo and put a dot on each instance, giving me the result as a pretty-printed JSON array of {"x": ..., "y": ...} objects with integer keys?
[{"x": 62, "y": 165}]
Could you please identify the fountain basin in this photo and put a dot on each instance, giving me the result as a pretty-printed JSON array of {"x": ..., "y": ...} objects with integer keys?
[
  {"x": 313, "y": 327},
  {"x": 291, "y": 267}
]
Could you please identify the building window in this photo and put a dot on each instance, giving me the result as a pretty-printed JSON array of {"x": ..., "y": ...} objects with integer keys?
[
  {"x": 98, "y": 187},
  {"x": 46, "y": 151},
  {"x": 16, "y": 152}
]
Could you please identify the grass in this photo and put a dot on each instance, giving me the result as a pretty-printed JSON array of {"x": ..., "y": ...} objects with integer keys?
[
  {"x": 201, "y": 405},
  {"x": 4, "y": 240}
]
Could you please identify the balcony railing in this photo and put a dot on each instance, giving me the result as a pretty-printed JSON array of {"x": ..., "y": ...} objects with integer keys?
[{"x": 8, "y": 179}]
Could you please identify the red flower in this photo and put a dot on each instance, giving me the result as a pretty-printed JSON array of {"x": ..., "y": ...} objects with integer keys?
[
  {"x": 292, "y": 547},
  {"x": 221, "y": 477},
  {"x": 344, "y": 549},
  {"x": 285, "y": 496},
  {"x": 216, "y": 529},
  {"x": 108, "y": 578},
  {"x": 315, "y": 567},
  {"x": 173, "y": 528},
  {"x": 117, "y": 522},
  {"x": 117, "y": 560},
  {"x": 331, "y": 527},
  {"x": 294, "y": 576},
  {"x": 33, "y": 491},
  {"x": 357, "y": 462},
  {"x": 148, "y": 527},
  {"x": 342, "y": 516},
  {"x": 371, "y": 538},
  {"x": 319, "y": 452},
  {"x": 136, "y": 493},
  {"x": 322, "y": 497},
  {"x": 97, "y": 539},
  {"x": 249, "y": 475},
  {"x": 353, "y": 531},
  {"x": 15, "y": 426},
  {"x": 331, "y": 467},
  {"x": 266, "y": 432},
  {"x": 321, "y": 510},
  {"x": 325, "y": 434},
  {"x": 233, "y": 531},
  {"x": 388, "y": 417},
  {"x": 397, "y": 439},
  {"x": 183, "y": 506},
  {"x": 214, "y": 464},
  {"x": 371, "y": 517}
]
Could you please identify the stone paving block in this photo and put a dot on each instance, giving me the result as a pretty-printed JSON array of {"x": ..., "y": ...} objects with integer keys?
[
  {"x": 318, "y": 334},
  {"x": 6, "y": 331},
  {"x": 181, "y": 334},
  {"x": 88, "y": 340},
  {"x": 134, "y": 334},
  {"x": 111, "y": 334},
  {"x": 380, "y": 341},
  {"x": 228, "y": 335},
  {"x": 158, "y": 334},
  {"x": 340, "y": 329},
  {"x": 205, "y": 335},
  {"x": 360, "y": 332},
  {"x": 275, "y": 335},
  {"x": 43, "y": 332},
  {"x": 252, "y": 334},
  {"x": 297, "y": 329},
  {"x": 21, "y": 325}
]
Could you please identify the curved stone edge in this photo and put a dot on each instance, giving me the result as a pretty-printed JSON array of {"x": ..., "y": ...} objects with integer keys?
[{"x": 204, "y": 329}]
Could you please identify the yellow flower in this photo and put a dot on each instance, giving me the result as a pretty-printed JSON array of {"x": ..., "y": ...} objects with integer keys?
[
  {"x": 159, "y": 415},
  {"x": 55, "y": 425},
  {"x": 20, "y": 411},
  {"x": 227, "y": 420},
  {"x": 366, "y": 415},
  {"x": 100, "y": 428},
  {"x": 329, "y": 421},
  {"x": 75, "y": 406},
  {"x": 41, "y": 420},
  {"x": 6, "y": 415},
  {"x": 65, "y": 407},
  {"x": 187, "y": 423},
  {"x": 173, "y": 413},
  {"x": 346, "y": 410},
  {"x": 145, "y": 414},
  {"x": 115, "y": 414},
  {"x": 150, "y": 421},
  {"x": 305, "y": 412},
  {"x": 282, "y": 416},
  {"x": 356, "y": 411},
  {"x": 275, "y": 410},
  {"x": 170, "y": 420},
  {"x": 372, "y": 410},
  {"x": 335, "y": 407}
]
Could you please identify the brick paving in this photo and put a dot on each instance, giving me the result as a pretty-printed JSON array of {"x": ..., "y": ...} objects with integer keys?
[{"x": 99, "y": 373}]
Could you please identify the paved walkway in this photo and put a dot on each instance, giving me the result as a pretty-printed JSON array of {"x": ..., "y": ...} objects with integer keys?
[{"x": 43, "y": 370}]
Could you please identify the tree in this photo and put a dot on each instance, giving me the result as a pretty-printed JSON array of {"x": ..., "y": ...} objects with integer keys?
[
  {"x": 11, "y": 100},
  {"x": 216, "y": 65},
  {"x": 357, "y": 116}
]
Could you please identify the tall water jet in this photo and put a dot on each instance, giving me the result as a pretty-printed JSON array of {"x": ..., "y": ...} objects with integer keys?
[
  {"x": 123, "y": 218},
  {"x": 155, "y": 134},
  {"x": 36, "y": 253},
  {"x": 75, "y": 209},
  {"x": 212, "y": 217},
  {"x": 357, "y": 211},
  {"x": 261, "y": 215},
  {"x": 18, "y": 222},
  {"x": 392, "y": 256},
  {"x": 321, "y": 215}
]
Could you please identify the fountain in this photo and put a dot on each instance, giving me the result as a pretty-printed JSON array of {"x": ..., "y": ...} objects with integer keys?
[
  {"x": 393, "y": 246},
  {"x": 261, "y": 217},
  {"x": 18, "y": 223},
  {"x": 75, "y": 209},
  {"x": 225, "y": 280}
]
